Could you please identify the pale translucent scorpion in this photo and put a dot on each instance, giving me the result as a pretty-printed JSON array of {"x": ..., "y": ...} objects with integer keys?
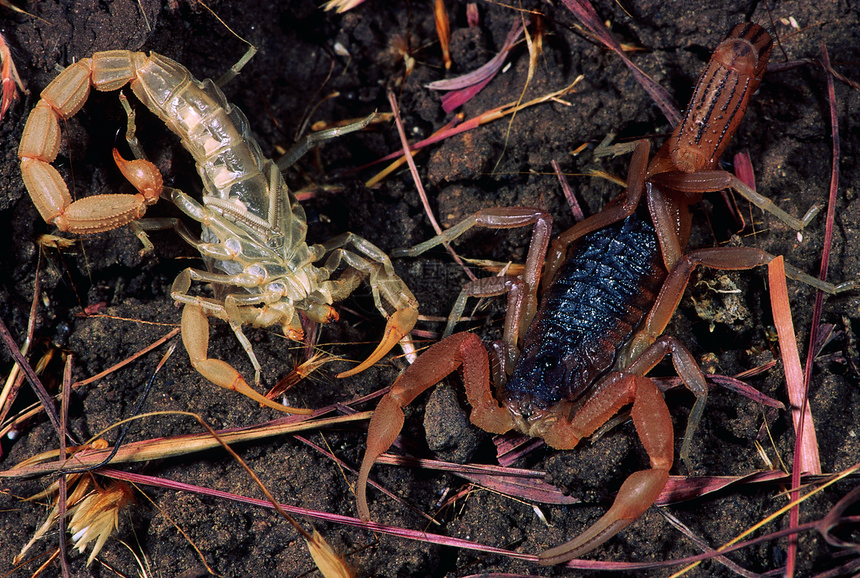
[{"x": 253, "y": 238}]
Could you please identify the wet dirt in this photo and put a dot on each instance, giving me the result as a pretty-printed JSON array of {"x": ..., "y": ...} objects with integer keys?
[{"x": 300, "y": 61}]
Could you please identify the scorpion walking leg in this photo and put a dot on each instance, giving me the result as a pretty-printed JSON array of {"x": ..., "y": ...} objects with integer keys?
[
  {"x": 690, "y": 374},
  {"x": 504, "y": 218},
  {"x": 725, "y": 258},
  {"x": 290, "y": 157},
  {"x": 713, "y": 181}
]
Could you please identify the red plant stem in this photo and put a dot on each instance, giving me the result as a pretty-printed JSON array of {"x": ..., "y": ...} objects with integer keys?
[
  {"x": 819, "y": 298},
  {"x": 583, "y": 10},
  {"x": 430, "y": 538}
]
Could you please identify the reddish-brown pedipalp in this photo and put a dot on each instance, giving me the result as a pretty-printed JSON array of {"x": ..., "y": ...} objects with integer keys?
[{"x": 618, "y": 352}]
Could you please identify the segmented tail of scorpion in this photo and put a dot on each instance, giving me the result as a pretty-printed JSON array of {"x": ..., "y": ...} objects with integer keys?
[{"x": 253, "y": 229}]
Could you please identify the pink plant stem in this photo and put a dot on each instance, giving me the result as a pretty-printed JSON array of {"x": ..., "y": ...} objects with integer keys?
[{"x": 794, "y": 515}]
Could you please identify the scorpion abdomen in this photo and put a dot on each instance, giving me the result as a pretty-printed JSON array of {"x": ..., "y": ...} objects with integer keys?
[{"x": 598, "y": 298}]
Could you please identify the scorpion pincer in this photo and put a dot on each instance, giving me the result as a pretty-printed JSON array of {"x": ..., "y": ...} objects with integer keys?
[
  {"x": 253, "y": 229},
  {"x": 612, "y": 283}
]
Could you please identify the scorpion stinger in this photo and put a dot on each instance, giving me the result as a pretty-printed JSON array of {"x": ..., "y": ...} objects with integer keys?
[{"x": 253, "y": 229}]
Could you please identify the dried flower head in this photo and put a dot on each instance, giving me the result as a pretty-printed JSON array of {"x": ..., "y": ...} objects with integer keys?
[
  {"x": 328, "y": 562},
  {"x": 94, "y": 510},
  {"x": 341, "y": 6},
  {"x": 96, "y": 516}
]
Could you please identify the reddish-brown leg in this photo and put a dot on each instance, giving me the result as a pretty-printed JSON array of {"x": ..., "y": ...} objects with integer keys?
[
  {"x": 445, "y": 357},
  {"x": 726, "y": 258},
  {"x": 501, "y": 218}
]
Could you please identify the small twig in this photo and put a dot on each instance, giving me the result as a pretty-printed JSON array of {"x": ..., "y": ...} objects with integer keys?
[
  {"x": 702, "y": 545},
  {"x": 578, "y": 215},
  {"x": 128, "y": 360}
]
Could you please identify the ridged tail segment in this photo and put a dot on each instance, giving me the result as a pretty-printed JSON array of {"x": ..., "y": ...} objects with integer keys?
[
  {"x": 721, "y": 97},
  {"x": 216, "y": 134}
]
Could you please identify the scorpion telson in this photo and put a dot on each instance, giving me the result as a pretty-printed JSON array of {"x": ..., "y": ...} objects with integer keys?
[
  {"x": 612, "y": 283},
  {"x": 253, "y": 237}
]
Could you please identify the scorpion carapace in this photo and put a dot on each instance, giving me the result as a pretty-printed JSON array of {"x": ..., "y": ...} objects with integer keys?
[
  {"x": 253, "y": 230},
  {"x": 605, "y": 304}
]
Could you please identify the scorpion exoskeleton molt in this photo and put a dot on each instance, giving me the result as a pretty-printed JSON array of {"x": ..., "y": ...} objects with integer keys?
[
  {"x": 253, "y": 238},
  {"x": 611, "y": 284}
]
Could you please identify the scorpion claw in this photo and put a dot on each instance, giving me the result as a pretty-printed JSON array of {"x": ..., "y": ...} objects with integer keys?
[
  {"x": 635, "y": 496},
  {"x": 223, "y": 374},
  {"x": 397, "y": 327}
]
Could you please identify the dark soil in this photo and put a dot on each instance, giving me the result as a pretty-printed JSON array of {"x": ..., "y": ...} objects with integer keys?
[{"x": 786, "y": 131}]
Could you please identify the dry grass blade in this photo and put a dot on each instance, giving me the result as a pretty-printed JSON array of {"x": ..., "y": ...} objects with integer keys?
[
  {"x": 463, "y": 88},
  {"x": 15, "y": 378},
  {"x": 483, "y": 118},
  {"x": 423, "y": 536},
  {"x": 806, "y": 452},
  {"x": 32, "y": 378},
  {"x": 298, "y": 373},
  {"x": 377, "y": 178},
  {"x": 578, "y": 215},
  {"x": 324, "y": 556},
  {"x": 158, "y": 448},
  {"x": 443, "y": 29},
  {"x": 129, "y": 359},
  {"x": 341, "y": 6},
  {"x": 379, "y": 487},
  {"x": 703, "y": 545}
]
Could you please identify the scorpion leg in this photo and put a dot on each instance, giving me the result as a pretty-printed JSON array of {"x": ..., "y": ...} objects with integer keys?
[
  {"x": 500, "y": 218},
  {"x": 290, "y": 157},
  {"x": 237, "y": 68},
  {"x": 690, "y": 374},
  {"x": 461, "y": 350},
  {"x": 712, "y": 181},
  {"x": 385, "y": 285},
  {"x": 195, "y": 338},
  {"x": 724, "y": 258},
  {"x": 647, "y": 348}
]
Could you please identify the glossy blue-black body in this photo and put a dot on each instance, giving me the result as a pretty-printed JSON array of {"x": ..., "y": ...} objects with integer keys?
[{"x": 598, "y": 298}]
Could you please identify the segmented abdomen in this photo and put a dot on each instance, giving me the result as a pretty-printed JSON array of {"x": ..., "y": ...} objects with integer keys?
[
  {"x": 599, "y": 296},
  {"x": 216, "y": 134}
]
